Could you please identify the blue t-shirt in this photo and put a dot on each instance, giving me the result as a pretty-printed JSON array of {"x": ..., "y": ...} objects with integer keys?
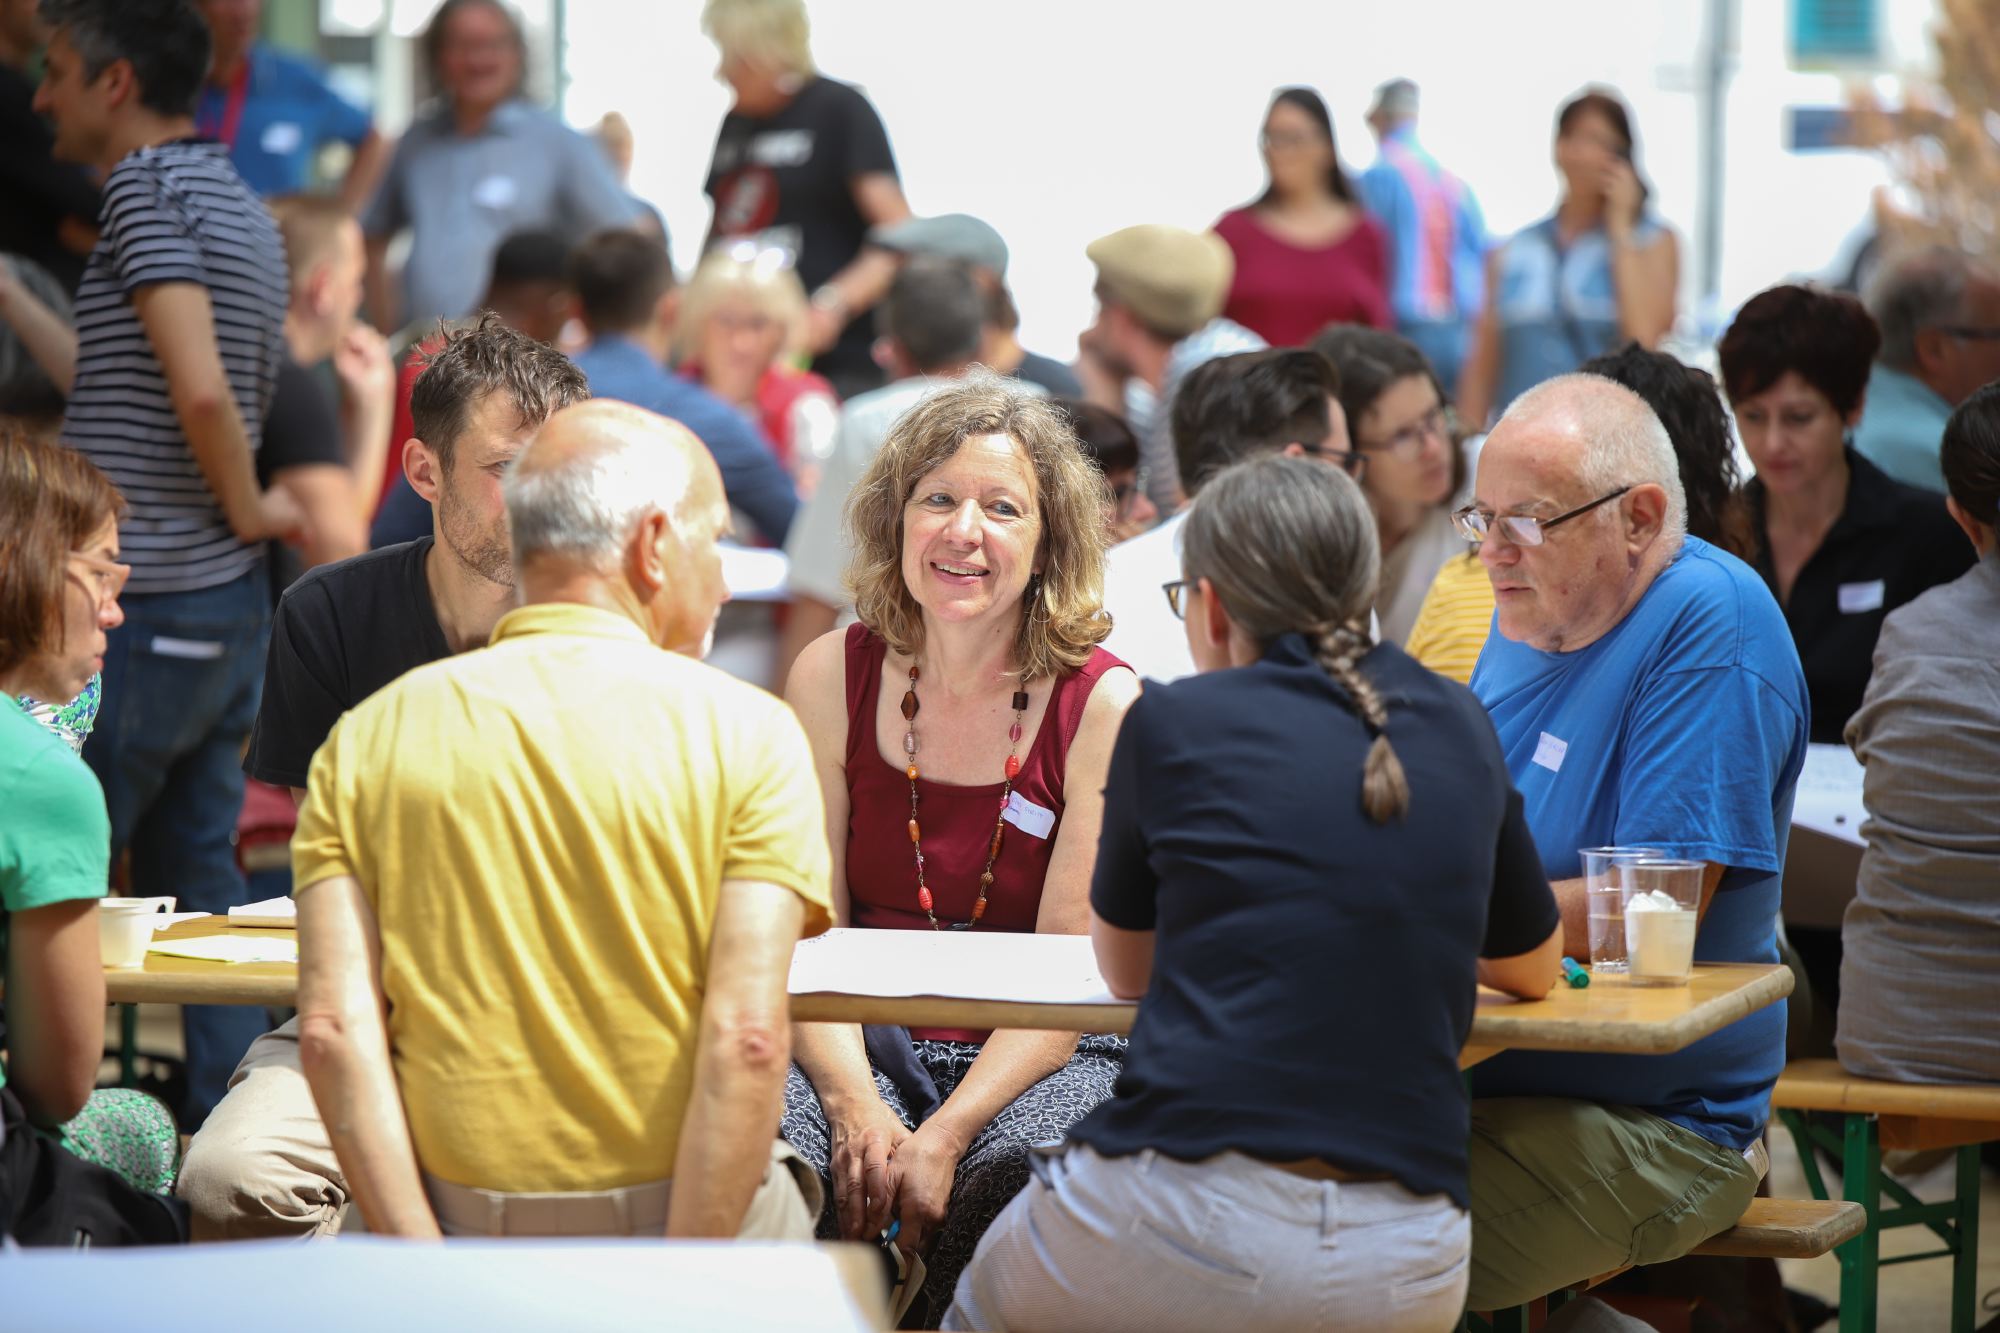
[
  {"x": 289, "y": 113},
  {"x": 1684, "y": 728}
]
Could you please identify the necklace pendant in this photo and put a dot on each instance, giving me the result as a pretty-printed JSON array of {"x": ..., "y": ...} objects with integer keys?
[
  {"x": 910, "y": 705},
  {"x": 1013, "y": 767},
  {"x": 910, "y": 743},
  {"x": 924, "y": 901}
]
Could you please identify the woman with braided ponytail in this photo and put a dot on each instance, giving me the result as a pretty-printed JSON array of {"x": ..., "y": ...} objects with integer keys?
[{"x": 1309, "y": 852}]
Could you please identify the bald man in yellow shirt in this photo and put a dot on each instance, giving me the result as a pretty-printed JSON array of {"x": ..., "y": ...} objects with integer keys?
[{"x": 548, "y": 891}]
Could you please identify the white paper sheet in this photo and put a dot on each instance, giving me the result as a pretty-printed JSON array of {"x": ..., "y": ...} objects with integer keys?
[
  {"x": 970, "y": 965},
  {"x": 280, "y": 912},
  {"x": 232, "y": 949},
  {"x": 175, "y": 918},
  {"x": 1829, "y": 793}
]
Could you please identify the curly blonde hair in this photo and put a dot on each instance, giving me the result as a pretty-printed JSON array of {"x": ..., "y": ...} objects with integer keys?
[{"x": 1062, "y": 613}]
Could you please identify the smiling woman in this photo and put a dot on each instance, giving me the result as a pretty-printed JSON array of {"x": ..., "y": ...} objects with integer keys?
[{"x": 962, "y": 733}]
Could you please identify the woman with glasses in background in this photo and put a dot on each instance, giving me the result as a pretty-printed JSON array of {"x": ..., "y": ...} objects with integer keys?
[
  {"x": 75, "y": 1166},
  {"x": 1311, "y": 821},
  {"x": 1307, "y": 252},
  {"x": 742, "y": 321},
  {"x": 1411, "y": 468}
]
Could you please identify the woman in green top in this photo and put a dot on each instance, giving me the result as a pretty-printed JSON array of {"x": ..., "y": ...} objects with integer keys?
[{"x": 59, "y": 584}]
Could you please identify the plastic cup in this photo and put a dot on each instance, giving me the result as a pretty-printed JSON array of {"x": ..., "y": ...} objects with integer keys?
[
  {"x": 125, "y": 929},
  {"x": 1662, "y": 902},
  {"x": 1605, "y": 902}
]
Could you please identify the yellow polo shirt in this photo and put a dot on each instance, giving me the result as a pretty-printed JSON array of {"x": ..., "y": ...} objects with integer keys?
[
  {"x": 1453, "y": 623},
  {"x": 543, "y": 828}
]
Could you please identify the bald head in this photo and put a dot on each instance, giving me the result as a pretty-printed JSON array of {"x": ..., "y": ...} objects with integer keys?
[
  {"x": 1599, "y": 433},
  {"x": 593, "y": 471}
]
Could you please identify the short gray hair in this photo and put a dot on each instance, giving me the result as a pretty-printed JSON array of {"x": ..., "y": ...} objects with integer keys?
[
  {"x": 585, "y": 509},
  {"x": 1625, "y": 444},
  {"x": 1915, "y": 291}
]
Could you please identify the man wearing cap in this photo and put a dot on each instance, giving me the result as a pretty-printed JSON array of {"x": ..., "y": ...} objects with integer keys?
[
  {"x": 1159, "y": 301},
  {"x": 975, "y": 244},
  {"x": 1437, "y": 236}
]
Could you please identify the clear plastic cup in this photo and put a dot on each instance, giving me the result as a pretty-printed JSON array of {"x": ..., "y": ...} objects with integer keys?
[
  {"x": 1662, "y": 905},
  {"x": 1605, "y": 903},
  {"x": 125, "y": 929}
]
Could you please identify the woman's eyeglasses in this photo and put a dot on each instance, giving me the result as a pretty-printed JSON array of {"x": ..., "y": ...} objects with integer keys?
[
  {"x": 1408, "y": 442},
  {"x": 1176, "y": 591},
  {"x": 1521, "y": 529},
  {"x": 107, "y": 577}
]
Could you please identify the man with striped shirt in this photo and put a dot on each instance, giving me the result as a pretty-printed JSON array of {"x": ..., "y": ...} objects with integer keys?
[{"x": 179, "y": 332}]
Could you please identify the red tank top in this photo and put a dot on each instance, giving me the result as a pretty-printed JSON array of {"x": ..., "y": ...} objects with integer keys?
[{"x": 958, "y": 821}]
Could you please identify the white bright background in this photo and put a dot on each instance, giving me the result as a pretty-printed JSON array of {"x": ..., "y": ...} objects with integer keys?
[{"x": 1060, "y": 120}]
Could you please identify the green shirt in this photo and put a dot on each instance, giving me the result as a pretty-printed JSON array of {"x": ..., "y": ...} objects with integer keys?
[{"x": 55, "y": 837}]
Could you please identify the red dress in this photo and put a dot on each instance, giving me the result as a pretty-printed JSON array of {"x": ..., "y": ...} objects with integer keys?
[
  {"x": 777, "y": 393},
  {"x": 957, "y": 821},
  {"x": 1286, "y": 294}
]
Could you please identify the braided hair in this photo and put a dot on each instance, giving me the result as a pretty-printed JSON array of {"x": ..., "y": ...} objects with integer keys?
[{"x": 1290, "y": 548}]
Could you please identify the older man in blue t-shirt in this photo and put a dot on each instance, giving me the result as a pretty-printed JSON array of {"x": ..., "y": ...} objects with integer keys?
[{"x": 1646, "y": 692}]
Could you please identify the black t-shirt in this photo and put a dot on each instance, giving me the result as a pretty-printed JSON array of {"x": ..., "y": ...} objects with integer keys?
[
  {"x": 39, "y": 191},
  {"x": 1313, "y": 972},
  {"x": 1051, "y": 374},
  {"x": 787, "y": 181},
  {"x": 341, "y": 633},
  {"x": 302, "y": 429},
  {"x": 1890, "y": 543}
]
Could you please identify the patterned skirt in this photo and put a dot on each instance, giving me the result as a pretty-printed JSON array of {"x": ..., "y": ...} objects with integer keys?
[
  {"x": 129, "y": 1133},
  {"x": 995, "y": 1166}
]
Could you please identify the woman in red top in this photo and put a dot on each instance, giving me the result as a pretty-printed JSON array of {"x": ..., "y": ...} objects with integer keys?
[
  {"x": 973, "y": 683},
  {"x": 1307, "y": 254},
  {"x": 743, "y": 316}
]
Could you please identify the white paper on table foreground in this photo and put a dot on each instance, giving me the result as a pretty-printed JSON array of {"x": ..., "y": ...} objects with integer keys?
[
  {"x": 970, "y": 965},
  {"x": 231, "y": 949}
]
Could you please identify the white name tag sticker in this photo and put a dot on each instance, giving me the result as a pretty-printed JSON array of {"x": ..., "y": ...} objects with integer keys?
[
  {"x": 1549, "y": 752},
  {"x": 1028, "y": 817},
  {"x": 495, "y": 192},
  {"x": 194, "y": 650},
  {"x": 1858, "y": 597},
  {"x": 281, "y": 137}
]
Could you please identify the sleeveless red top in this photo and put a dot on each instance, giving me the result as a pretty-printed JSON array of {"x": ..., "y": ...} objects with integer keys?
[{"x": 957, "y": 821}]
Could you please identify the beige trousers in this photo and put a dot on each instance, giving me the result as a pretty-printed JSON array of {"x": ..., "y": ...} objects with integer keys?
[{"x": 262, "y": 1167}]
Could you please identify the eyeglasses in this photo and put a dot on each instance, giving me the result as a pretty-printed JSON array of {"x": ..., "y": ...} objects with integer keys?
[
  {"x": 1353, "y": 464},
  {"x": 1286, "y": 139},
  {"x": 1521, "y": 529},
  {"x": 1408, "y": 441},
  {"x": 1177, "y": 592},
  {"x": 1976, "y": 332},
  {"x": 106, "y": 576}
]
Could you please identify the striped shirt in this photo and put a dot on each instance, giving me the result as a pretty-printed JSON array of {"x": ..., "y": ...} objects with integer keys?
[
  {"x": 1456, "y": 617},
  {"x": 175, "y": 212}
]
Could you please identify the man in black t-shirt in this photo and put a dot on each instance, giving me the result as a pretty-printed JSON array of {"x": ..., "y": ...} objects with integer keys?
[
  {"x": 261, "y": 1166},
  {"x": 802, "y": 165}
]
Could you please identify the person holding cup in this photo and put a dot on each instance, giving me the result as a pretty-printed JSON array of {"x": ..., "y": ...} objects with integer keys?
[
  {"x": 1646, "y": 693},
  {"x": 59, "y": 584}
]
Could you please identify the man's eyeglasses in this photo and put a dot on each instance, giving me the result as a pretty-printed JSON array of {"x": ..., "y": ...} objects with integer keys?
[
  {"x": 107, "y": 577},
  {"x": 1409, "y": 441},
  {"x": 1976, "y": 332},
  {"x": 1176, "y": 593},
  {"x": 1353, "y": 464},
  {"x": 1521, "y": 529}
]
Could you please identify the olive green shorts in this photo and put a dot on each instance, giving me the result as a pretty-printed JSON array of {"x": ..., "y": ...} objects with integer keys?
[{"x": 1563, "y": 1191}]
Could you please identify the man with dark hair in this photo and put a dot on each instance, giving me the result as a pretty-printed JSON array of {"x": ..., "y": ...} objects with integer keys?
[
  {"x": 482, "y": 164},
  {"x": 1160, "y": 292},
  {"x": 1283, "y": 400},
  {"x": 173, "y": 413},
  {"x": 1939, "y": 311},
  {"x": 930, "y": 324},
  {"x": 624, "y": 287},
  {"x": 262, "y": 1165}
]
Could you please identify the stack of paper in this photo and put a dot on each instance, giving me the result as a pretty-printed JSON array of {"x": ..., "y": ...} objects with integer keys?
[
  {"x": 280, "y": 912},
  {"x": 969, "y": 965}
]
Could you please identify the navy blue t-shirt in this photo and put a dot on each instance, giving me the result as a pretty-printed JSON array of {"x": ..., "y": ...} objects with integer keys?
[
  {"x": 1313, "y": 971},
  {"x": 1684, "y": 729}
]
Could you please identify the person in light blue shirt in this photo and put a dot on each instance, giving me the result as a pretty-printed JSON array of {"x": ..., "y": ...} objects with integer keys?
[
  {"x": 1939, "y": 312},
  {"x": 1437, "y": 235},
  {"x": 275, "y": 111},
  {"x": 622, "y": 280},
  {"x": 1645, "y": 691}
]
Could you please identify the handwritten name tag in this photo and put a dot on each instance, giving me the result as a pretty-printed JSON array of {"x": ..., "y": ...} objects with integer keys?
[
  {"x": 1549, "y": 752},
  {"x": 1858, "y": 597},
  {"x": 496, "y": 192},
  {"x": 1025, "y": 815}
]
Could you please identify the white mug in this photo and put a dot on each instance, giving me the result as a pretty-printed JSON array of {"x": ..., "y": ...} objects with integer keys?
[{"x": 125, "y": 929}]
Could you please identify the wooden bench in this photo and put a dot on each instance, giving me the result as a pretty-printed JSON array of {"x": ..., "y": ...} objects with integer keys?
[
  {"x": 1768, "y": 1229},
  {"x": 1878, "y": 1115}
]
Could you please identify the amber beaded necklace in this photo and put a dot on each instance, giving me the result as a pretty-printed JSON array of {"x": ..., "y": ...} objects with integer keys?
[{"x": 1013, "y": 769}]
